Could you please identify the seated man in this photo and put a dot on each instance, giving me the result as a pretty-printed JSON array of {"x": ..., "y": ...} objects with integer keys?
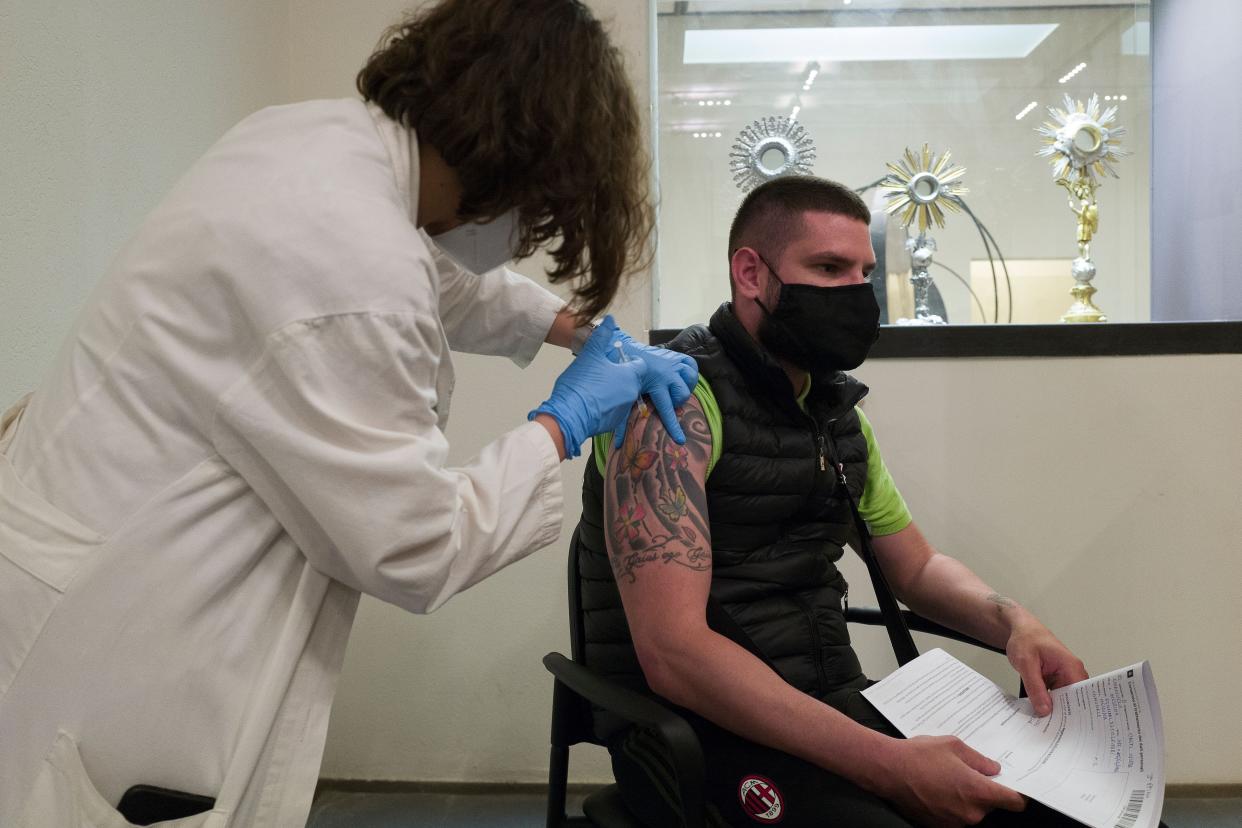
[{"x": 754, "y": 511}]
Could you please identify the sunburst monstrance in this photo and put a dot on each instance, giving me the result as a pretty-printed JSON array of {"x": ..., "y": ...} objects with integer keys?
[
  {"x": 1080, "y": 141},
  {"x": 770, "y": 148},
  {"x": 922, "y": 186}
]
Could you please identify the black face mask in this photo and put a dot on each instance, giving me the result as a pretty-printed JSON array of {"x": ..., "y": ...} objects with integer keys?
[{"x": 821, "y": 328}]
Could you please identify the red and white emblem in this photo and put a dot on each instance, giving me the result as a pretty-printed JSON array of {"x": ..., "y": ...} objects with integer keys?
[{"x": 761, "y": 800}]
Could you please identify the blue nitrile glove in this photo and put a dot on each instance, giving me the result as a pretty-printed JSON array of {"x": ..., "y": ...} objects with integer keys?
[
  {"x": 670, "y": 379},
  {"x": 595, "y": 393}
]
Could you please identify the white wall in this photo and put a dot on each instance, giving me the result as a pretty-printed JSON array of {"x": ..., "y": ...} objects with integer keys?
[
  {"x": 1101, "y": 491},
  {"x": 102, "y": 107}
]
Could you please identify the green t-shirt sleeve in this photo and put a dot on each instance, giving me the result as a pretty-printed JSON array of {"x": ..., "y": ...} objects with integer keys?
[
  {"x": 602, "y": 443},
  {"x": 881, "y": 505}
]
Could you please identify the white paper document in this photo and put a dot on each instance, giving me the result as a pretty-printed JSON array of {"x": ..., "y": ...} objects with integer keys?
[{"x": 1098, "y": 757}]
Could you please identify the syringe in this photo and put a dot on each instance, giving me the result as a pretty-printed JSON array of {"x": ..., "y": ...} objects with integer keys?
[{"x": 622, "y": 357}]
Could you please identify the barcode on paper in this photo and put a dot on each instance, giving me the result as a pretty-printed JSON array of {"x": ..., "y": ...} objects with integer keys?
[{"x": 1133, "y": 807}]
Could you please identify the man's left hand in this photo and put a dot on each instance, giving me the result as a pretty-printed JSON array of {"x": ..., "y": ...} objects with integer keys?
[{"x": 1043, "y": 662}]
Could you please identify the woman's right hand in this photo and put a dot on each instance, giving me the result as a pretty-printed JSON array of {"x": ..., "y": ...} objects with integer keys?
[{"x": 594, "y": 394}]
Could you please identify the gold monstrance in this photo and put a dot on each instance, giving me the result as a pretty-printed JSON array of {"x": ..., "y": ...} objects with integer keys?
[{"x": 1082, "y": 144}]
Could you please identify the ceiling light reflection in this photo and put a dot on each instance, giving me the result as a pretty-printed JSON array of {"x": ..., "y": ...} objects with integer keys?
[{"x": 864, "y": 43}]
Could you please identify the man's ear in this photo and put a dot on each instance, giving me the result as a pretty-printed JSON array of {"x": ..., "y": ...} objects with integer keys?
[{"x": 745, "y": 268}]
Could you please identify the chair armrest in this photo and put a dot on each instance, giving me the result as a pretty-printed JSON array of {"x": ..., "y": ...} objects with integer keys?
[
  {"x": 916, "y": 622},
  {"x": 683, "y": 745}
]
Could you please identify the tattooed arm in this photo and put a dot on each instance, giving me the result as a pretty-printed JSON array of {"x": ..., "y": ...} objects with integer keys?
[
  {"x": 947, "y": 591},
  {"x": 655, "y": 507},
  {"x": 659, "y": 544}
]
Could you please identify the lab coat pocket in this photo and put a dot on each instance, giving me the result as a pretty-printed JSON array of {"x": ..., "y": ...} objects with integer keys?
[
  {"x": 64, "y": 797},
  {"x": 41, "y": 550}
]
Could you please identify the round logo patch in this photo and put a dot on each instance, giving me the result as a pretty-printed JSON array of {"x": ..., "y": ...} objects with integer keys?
[{"x": 761, "y": 800}]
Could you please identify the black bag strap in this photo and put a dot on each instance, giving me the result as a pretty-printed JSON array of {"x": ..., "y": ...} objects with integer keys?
[{"x": 894, "y": 622}]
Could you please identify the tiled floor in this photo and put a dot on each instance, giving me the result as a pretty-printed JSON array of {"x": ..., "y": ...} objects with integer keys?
[{"x": 340, "y": 809}]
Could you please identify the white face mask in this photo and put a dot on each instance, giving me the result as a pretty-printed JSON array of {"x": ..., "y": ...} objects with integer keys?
[{"x": 480, "y": 247}]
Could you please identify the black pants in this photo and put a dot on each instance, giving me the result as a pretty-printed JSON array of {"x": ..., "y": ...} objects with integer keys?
[{"x": 748, "y": 784}]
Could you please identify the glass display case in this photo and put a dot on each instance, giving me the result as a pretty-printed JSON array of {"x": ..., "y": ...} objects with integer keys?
[{"x": 866, "y": 81}]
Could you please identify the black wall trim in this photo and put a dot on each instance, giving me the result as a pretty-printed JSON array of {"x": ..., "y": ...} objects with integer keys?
[{"x": 1069, "y": 340}]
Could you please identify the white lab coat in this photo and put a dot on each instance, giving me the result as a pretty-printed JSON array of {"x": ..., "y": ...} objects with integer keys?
[{"x": 242, "y": 433}]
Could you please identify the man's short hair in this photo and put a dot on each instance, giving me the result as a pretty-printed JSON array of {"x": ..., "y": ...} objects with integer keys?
[{"x": 771, "y": 215}]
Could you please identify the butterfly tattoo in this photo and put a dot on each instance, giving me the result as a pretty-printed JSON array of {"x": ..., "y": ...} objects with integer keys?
[{"x": 673, "y": 506}]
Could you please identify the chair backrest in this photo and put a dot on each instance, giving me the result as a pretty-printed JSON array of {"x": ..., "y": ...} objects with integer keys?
[
  {"x": 575, "y": 721},
  {"x": 577, "y": 632}
]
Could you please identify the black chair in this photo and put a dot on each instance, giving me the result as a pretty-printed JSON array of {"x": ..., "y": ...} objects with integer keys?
[{"x": 577, "y": 687}]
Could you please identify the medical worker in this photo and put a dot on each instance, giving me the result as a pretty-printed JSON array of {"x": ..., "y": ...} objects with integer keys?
[{"x": 245, "y": 429}]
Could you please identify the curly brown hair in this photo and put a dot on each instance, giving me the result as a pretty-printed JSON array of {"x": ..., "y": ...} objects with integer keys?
[{"x": 528, "y": 101}]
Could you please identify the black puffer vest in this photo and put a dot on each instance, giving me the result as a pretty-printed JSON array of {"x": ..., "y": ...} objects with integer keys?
[{"x": 779, "y": 520}]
